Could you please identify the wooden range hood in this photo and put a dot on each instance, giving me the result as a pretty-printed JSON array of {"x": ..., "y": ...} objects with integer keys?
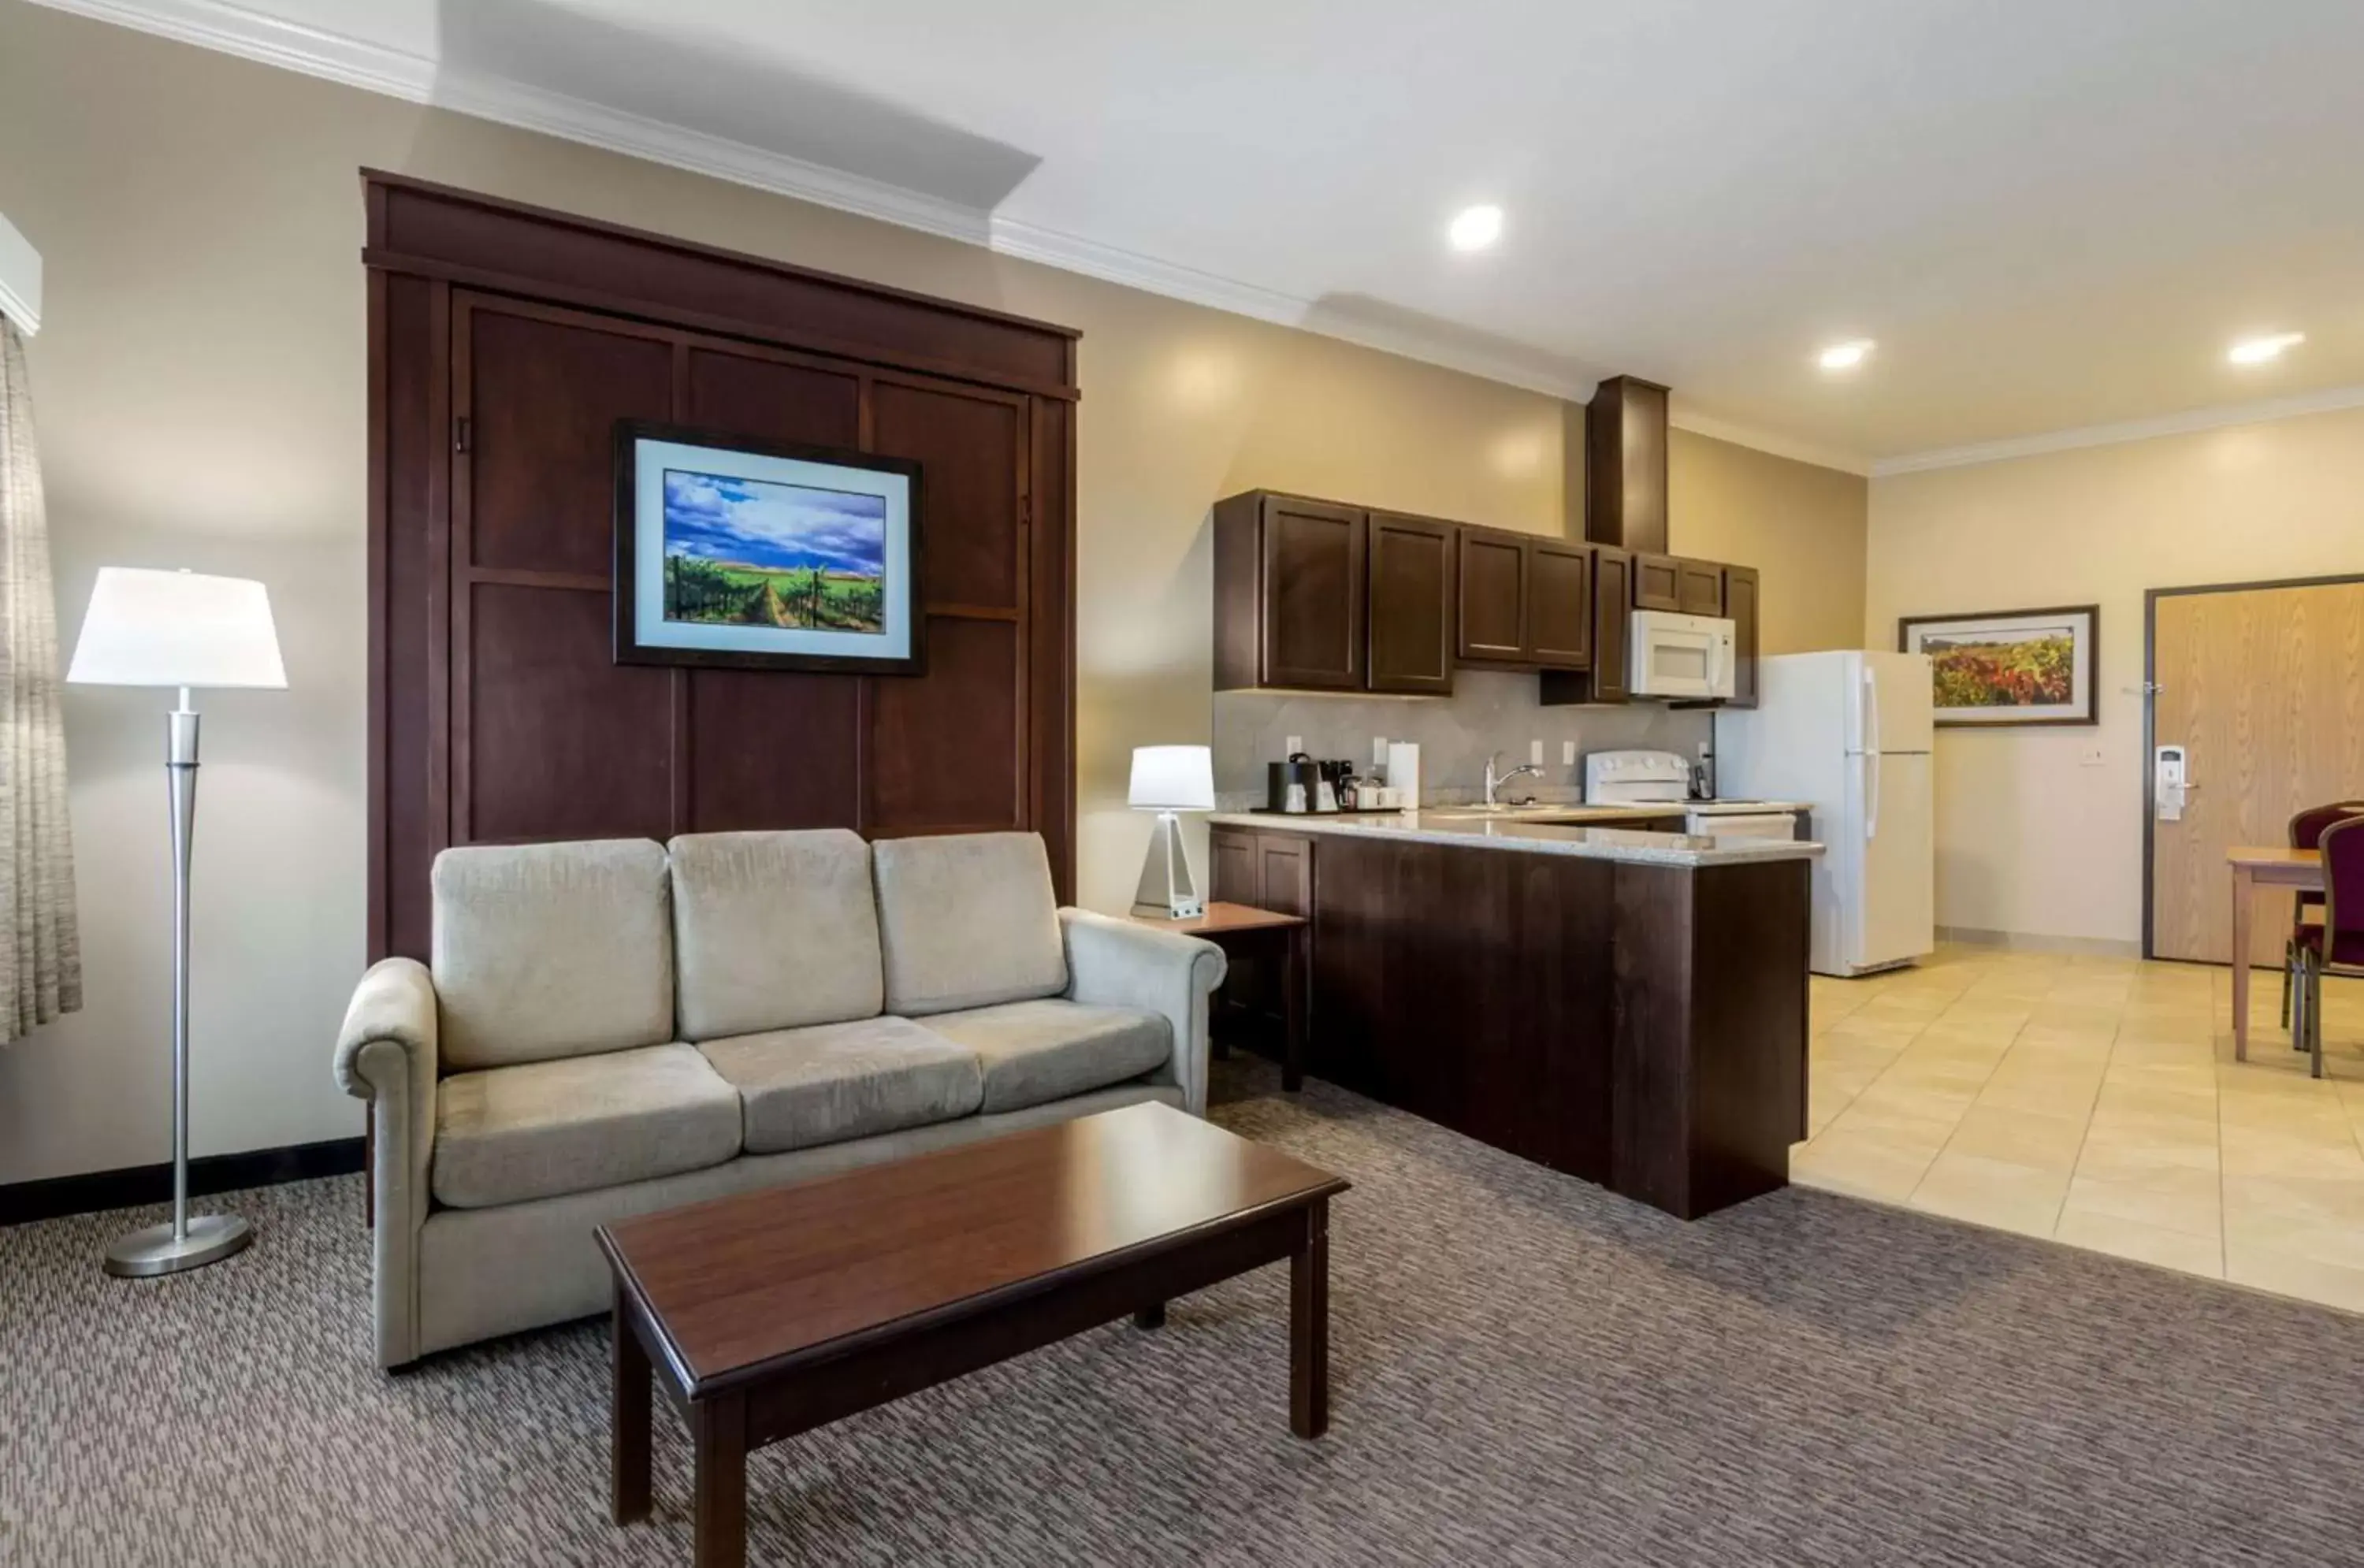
[{"x": 1625, "y": 465}]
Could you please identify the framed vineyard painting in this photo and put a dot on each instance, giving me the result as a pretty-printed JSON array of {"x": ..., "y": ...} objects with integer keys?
[
  {"x": 758, "y": 555},
  {"x": 2011, "y": 667}
]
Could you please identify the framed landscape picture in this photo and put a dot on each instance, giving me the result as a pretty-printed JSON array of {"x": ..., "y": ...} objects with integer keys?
[
  {"x": 757, "y": 555},
  {"x": 2011, "y": 667}
]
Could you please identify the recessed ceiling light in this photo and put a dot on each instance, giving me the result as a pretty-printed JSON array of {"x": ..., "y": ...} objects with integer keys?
[
  {"x": 1476, "y": 227},
  {"x": 2257, "y": 350},
  {"x": 1846, "y": 356}
]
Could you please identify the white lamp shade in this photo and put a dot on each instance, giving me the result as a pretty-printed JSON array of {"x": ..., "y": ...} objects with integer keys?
[
  {"x": 176, "y": 629},
  {"x": 1173, "y": 778}
]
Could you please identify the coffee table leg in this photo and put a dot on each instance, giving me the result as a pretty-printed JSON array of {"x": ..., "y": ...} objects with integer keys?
[
  {"x": 1150, "y": 1317},
  {"x": 1309, "y": 1327},
  {"x": 717, "y": 1434},
  {"x": 628, "y": 1440}
]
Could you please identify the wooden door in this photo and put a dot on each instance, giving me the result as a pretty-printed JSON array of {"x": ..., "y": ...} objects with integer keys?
[
  {"x": 1560, "y": 605},
  {"x": 1493, "y": 594},
  {"x": 1657, "y": 583},
  {"x": 1410, "y": 605},
  {"x": 1740, "y": 606},
  {"x": 1699, "y": 587},
  {"x": 2264, "y": 688},
  {"x": 1312, "y": 592}
]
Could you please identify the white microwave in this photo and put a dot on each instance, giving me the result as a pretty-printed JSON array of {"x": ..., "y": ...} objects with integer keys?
[{"x": 1690, "y": 656}]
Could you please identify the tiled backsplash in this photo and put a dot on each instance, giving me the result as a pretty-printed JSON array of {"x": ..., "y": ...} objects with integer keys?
[{"x": 1489, "y": 711}]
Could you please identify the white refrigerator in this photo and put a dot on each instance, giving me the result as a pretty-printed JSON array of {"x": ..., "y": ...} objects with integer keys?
[{"x": 1848, "y": 733}]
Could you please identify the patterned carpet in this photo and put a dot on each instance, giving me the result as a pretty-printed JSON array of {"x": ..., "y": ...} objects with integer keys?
[{"x": 1526, "y": 1371}]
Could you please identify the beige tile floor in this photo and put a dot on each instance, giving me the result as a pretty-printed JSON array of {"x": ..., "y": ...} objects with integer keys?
[{"x": 2096, "y": 1102}]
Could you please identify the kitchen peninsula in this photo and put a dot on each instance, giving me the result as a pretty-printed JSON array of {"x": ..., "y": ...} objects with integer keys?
[{"x": 1626, "y": 1005}]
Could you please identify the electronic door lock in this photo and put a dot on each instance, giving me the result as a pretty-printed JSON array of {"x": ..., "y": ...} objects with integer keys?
[{"x": 2170, "y": 787}]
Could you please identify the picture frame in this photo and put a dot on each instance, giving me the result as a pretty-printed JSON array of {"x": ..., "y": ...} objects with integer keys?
[
  {"x": 2011, "y": 667},
  {"x": 737, "y": 554}
]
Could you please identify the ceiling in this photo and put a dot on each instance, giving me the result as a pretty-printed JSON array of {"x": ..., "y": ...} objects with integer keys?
[{"x": 2048, "y": 216}]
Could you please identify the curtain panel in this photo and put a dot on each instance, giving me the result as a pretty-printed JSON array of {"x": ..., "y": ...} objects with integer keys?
[{"x": 41, "y": 947}]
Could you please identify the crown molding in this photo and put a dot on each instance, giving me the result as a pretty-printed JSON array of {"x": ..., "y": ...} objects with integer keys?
[
  {"x": 251, "y": 34},
  {"x": 20, "y": 279},
  {"x": 2328, "y": 400},
  {"x": 1766, "y": 441}
]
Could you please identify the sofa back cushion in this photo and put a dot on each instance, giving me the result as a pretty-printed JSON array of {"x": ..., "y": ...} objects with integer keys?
[
  {"x": 968, "y": 920},
  {"x": 773, "y": 931},
  {"x": 545, "y": 950}
]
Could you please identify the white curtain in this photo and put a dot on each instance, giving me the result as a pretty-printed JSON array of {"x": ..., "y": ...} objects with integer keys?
[{"x": 40, "y": 947}]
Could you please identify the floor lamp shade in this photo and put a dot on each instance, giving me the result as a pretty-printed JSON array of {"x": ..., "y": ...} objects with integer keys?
[
  {"x": 181, "y": 630},
  {"x": 176, "y": 629},
  {"x": 1169, "y": 780}
]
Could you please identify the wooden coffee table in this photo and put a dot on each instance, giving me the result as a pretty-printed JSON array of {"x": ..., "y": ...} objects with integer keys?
[{"x": 774, "y": 1312}]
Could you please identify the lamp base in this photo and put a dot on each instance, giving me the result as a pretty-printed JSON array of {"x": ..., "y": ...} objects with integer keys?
[
  {"x": 144, "y": 1254},
  {"x": 1167, "y": 890}
]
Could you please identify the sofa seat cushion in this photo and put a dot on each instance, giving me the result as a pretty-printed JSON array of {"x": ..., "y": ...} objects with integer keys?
[
  {"x": 1034, "y": 1052},
  {"x": 508, "y": 1134},
  {"x": 832, "y": 1082}
]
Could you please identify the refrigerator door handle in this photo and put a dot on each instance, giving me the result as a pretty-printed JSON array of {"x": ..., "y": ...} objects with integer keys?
[
  {"x": 1870, "y": 710},
  {"x": 1871, "y": 796}
]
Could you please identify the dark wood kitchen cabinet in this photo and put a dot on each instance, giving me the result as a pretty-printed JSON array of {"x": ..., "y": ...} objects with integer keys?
[
  {"x": 1290, "y": 593},
  {"x": 1524, "y": 600},
  {"x": 1493, "y": 597},
  {"x": 1605, "y": 681},
  {"x": 1410, "y": 604},
  {"x": 1740, "y": 607},
  {"x": 1657, "y": 583},
  {"x": 1263, "y": 871},
  {"x": 1699, "y": 587}
]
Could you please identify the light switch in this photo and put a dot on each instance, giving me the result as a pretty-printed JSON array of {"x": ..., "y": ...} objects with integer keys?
[
  {"x": 1567, "y": 754},
  {"x": 1294, "y": 744},
  {"x": 2091, "y": 757},
  {"x": 1535, "y": 752},
  {"x": 1378, "y": 750}
]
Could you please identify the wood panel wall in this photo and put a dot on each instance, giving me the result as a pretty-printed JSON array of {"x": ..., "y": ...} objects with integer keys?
[{"x": 505, "y": 344}]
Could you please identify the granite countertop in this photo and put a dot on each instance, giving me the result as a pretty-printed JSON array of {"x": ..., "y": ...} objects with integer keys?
[{"x": 1558, "y": 830}]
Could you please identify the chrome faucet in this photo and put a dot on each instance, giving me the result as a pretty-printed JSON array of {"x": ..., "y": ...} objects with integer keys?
[{"x": 1495, "y": 781}]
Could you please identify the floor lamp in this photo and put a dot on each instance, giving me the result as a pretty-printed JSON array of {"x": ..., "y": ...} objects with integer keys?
[{"x": 178, "y": 630}]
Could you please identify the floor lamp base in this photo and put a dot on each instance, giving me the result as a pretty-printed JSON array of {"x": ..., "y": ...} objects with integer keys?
[{"x": 143, "y": 1255}]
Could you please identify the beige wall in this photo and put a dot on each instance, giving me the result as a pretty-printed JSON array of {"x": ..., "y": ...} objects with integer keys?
[
  {"x": 199, "y": 387},
  {"x": 2040, "y": 830},
  {"x": 1802, "y": 526}
]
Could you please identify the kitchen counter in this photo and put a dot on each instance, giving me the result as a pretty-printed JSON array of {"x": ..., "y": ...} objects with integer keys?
[{"x": 1588, "y": 832}]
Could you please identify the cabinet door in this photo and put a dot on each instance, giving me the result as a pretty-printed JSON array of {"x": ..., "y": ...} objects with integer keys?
[
  {"x": 1410, "y": 604},
  {"x": 1740, "y": 605},
  {"x": 1314, "y": 587},
  {"x": 1612, "y": 594},
  {"x": 1285, "y": 871},
  {"x": 1493, "y": 618},
  {"x": 1231, "y": 871},
  {"x": 1657, "y": 583},
  {"x": 1699, "y": 587},
  {"x": 1560, "y": 605}
]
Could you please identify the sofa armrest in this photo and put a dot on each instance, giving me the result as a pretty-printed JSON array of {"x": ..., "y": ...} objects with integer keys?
[
  {"x": 1118, "y": 963},
  {"x": 385, "y": 1054}
]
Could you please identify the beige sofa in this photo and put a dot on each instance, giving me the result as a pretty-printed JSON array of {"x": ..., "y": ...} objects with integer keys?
[{"x": 613, "y": 1028}]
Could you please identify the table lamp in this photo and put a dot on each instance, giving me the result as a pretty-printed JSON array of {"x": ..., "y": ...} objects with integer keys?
[
  {"x": 177, "y": 629},
  {"x": 1169, "y": 780}
]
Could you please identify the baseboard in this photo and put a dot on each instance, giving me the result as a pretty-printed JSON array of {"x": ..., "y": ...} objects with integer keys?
[
  {"x": 56, "y": 1196},
  {"x": 2031, "y": 941}
]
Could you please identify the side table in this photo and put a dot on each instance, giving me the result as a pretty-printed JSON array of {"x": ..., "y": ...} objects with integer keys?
[{"x": 1226, "y": 925}]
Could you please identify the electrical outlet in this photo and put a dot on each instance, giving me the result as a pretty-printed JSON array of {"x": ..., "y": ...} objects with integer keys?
[
  {"x": 1378, "y": 750},
  {"x": 1535, "y": 752},
  {"x": 1291, "y": 747},
  {"x": 1567, "y": 754},
  {"x": 2091, "y": 757}
]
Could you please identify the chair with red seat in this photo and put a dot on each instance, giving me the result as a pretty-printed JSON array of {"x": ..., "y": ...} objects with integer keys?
[
  {"x": 2335, "y": 946},
  {"x": 2307, "y": 833}
]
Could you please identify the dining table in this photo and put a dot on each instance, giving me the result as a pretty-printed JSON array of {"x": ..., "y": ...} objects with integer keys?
[{"x": 2254, "y": 866}]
